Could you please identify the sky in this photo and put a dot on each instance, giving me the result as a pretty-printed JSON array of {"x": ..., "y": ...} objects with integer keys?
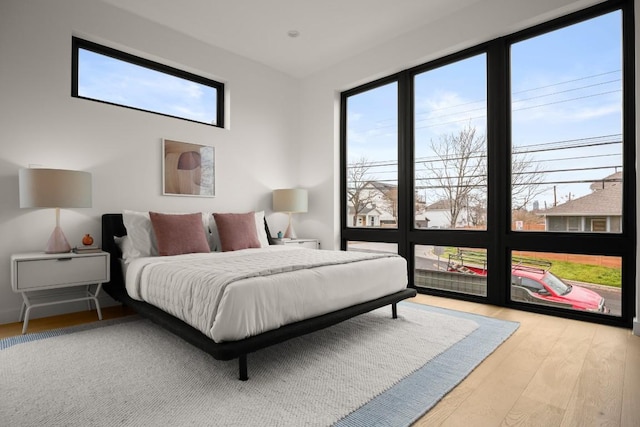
[
  {"x": 566, "y": 90},
  {"x": 107, "y": 79}
]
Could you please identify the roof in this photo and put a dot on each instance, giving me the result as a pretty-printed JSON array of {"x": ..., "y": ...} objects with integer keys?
[
  {"x": 607, "y": 202},
  {"x": 612, "y": 180},
  {"x": 439, "y": 205},
  {"x": 383, "y": 187},
  {"x": 366, "y": 211}
]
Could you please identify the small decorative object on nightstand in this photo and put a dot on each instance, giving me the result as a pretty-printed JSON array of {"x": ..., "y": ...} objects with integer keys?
[
  {"x": 32, "y": 274},
  {"x": 87, "y": 240}
]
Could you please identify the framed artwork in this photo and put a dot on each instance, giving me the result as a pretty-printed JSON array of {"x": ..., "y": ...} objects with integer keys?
[{"x": 187, "y": 169}]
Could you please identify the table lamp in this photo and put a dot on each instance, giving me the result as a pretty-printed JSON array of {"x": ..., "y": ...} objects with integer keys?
[
  {"x": 290, "y": 200},
  {"x": 55, "y": 188}
]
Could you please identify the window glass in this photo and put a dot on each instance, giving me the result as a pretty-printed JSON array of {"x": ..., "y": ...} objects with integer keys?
[
  {"x": 110, "y": 76},
  {"x": 450, "y": 143},
  {"x": 448, "y": 268},
  {"x": 566, "y": 91},
  {"x": 571, "y": 281},
  {"x": 372, "y": 158}
]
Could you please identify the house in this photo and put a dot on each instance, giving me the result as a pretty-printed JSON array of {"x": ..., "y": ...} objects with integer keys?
[
  {"x": 439, "y": 214},
  {"x": 367, "y": 216},
  {"x": 282, "y": 124},
  {"x": 377, "y": 205},
  {"x": 599, "y": 211}
]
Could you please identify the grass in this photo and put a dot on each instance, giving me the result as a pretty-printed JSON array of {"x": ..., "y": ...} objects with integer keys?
[{"x": 587, "y": 273}]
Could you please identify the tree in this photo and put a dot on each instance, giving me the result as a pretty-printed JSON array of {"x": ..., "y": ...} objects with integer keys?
[
  {"x": 458, "y": 175},
  {"x": 459, "y": 171},
  {"x": 527, "y": 177},
  {"x": 358, "y": 179}
]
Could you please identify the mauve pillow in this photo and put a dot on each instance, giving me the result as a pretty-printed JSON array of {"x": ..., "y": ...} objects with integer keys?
[
  {"x": 237, "y": 231},
  {"x": 179, "y": 234}
]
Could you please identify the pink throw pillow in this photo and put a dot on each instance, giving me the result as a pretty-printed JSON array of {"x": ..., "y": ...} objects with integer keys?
[
  {"x": 179, "y": 234},
  {"x": 237, "y": 231}
]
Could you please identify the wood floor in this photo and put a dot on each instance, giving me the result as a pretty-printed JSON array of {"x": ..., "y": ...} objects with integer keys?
[{"x": 551, "y": 372}]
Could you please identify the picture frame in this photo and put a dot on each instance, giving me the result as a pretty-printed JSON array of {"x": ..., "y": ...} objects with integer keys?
[{"x": 187, "y": 169}]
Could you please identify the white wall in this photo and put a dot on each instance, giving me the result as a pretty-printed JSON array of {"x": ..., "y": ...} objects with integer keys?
[
  {"x": 40, "y": 123},
  {"x": 319, "y": 159}
]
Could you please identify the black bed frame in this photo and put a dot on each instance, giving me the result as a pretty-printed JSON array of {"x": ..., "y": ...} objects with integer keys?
[{"x": 112, "y": 226}]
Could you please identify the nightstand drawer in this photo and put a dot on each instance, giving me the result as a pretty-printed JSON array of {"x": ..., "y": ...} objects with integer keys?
[
  {"x": 64, "y": 270},
  {"x": 301, "y": 243},
  {"x": 311, "y": 244}
]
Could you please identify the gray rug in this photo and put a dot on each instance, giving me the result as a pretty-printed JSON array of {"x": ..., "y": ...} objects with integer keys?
[{"x": 368, "y": 371}]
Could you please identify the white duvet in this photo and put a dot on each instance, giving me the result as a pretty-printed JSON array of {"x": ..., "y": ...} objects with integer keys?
[{"x": 229, "y": 296}]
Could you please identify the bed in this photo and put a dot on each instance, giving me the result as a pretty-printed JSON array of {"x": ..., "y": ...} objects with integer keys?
[{"x": 234, "y": 345}]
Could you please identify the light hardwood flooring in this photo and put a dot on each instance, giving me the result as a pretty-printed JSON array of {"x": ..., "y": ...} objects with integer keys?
[
  {"x": 551, "y": 372},
  {"x": 62, "y": 321}
]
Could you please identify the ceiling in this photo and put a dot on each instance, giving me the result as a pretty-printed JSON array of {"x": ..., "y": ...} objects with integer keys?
[{"x": 330, "y": 31}]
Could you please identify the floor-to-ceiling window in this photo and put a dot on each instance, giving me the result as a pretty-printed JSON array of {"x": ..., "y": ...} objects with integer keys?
[
  {"x": 450, "y": 169},
  {"x": 498, "y": 172},
  {"x": 567, "y": 163},
  {"x": 370, "y": 159}
]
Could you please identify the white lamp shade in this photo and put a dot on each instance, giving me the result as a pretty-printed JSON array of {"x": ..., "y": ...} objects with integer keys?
[
  {"x": 290, "y": 200},
  {"x": 54, "y": 188}
]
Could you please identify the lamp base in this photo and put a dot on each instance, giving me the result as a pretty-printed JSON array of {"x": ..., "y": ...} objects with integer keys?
[
  {"x": 290, "y": 233},
  {"x": 57, "y": 243}
]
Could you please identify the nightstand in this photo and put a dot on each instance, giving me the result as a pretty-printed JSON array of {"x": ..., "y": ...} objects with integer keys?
[
  {"x": 46, "y": 279},
  {"x": 302, "y": 243}
]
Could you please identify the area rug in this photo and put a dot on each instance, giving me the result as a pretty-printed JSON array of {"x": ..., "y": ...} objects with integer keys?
[{"x": 368, "y": 371}]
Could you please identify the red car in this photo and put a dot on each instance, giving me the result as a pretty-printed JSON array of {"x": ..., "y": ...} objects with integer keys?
[
  {"x": 533, "y": 282},
  {"x": 542, "y": 284}
]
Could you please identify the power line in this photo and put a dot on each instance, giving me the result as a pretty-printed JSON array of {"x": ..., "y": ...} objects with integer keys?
[
  {"x": 484, "y": 107},
  {"x": 569, "y": 81},
  {"x": 566, "y": 100},
  {"x": 567, "y": 144},
  {"x": 515, "y": 101},
  {"x": 565, "y": 91}
]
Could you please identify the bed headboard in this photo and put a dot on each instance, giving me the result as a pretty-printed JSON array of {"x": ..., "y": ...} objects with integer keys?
[{"x": 113, "y": 226}]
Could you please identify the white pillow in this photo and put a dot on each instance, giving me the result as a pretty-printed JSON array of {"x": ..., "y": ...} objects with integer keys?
[
  {"x": 126, "y": 247},
  {"x": 261, "y": 232},
  {"x": 140, "y": 231},
  {"x": 211, "y": 231},
  {"x": 215, "y": 244}
]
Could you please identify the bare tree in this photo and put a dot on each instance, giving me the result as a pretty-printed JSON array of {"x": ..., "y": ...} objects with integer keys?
[
  {"x": 458, "y": 176},
  {"x": 358, "y": 179},
  {"x": 459, "y": 171},
  {"x": 390, "y": 199},
  {"x": 527, "y": 177}
]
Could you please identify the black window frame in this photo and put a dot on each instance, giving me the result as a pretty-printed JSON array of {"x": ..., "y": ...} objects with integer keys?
[
  {"x": 79, "y": 43},
  {"x": 499, "y": 239}
]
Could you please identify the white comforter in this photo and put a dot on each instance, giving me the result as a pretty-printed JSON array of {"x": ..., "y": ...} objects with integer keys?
[{"x": 229, "y": 296}]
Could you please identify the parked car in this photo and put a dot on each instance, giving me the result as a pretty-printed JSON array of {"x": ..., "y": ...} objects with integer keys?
[
  {"x": 533, "y": 282},
  {"x": 542, "y": 284}
]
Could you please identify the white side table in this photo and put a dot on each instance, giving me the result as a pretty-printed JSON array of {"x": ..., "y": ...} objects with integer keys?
[
  {"x": 302, "y": 243},
  {"x": 46, "y": 279}
]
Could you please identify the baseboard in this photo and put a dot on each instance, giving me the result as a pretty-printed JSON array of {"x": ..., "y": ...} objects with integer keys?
[{"x": 636, "y": 326}]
